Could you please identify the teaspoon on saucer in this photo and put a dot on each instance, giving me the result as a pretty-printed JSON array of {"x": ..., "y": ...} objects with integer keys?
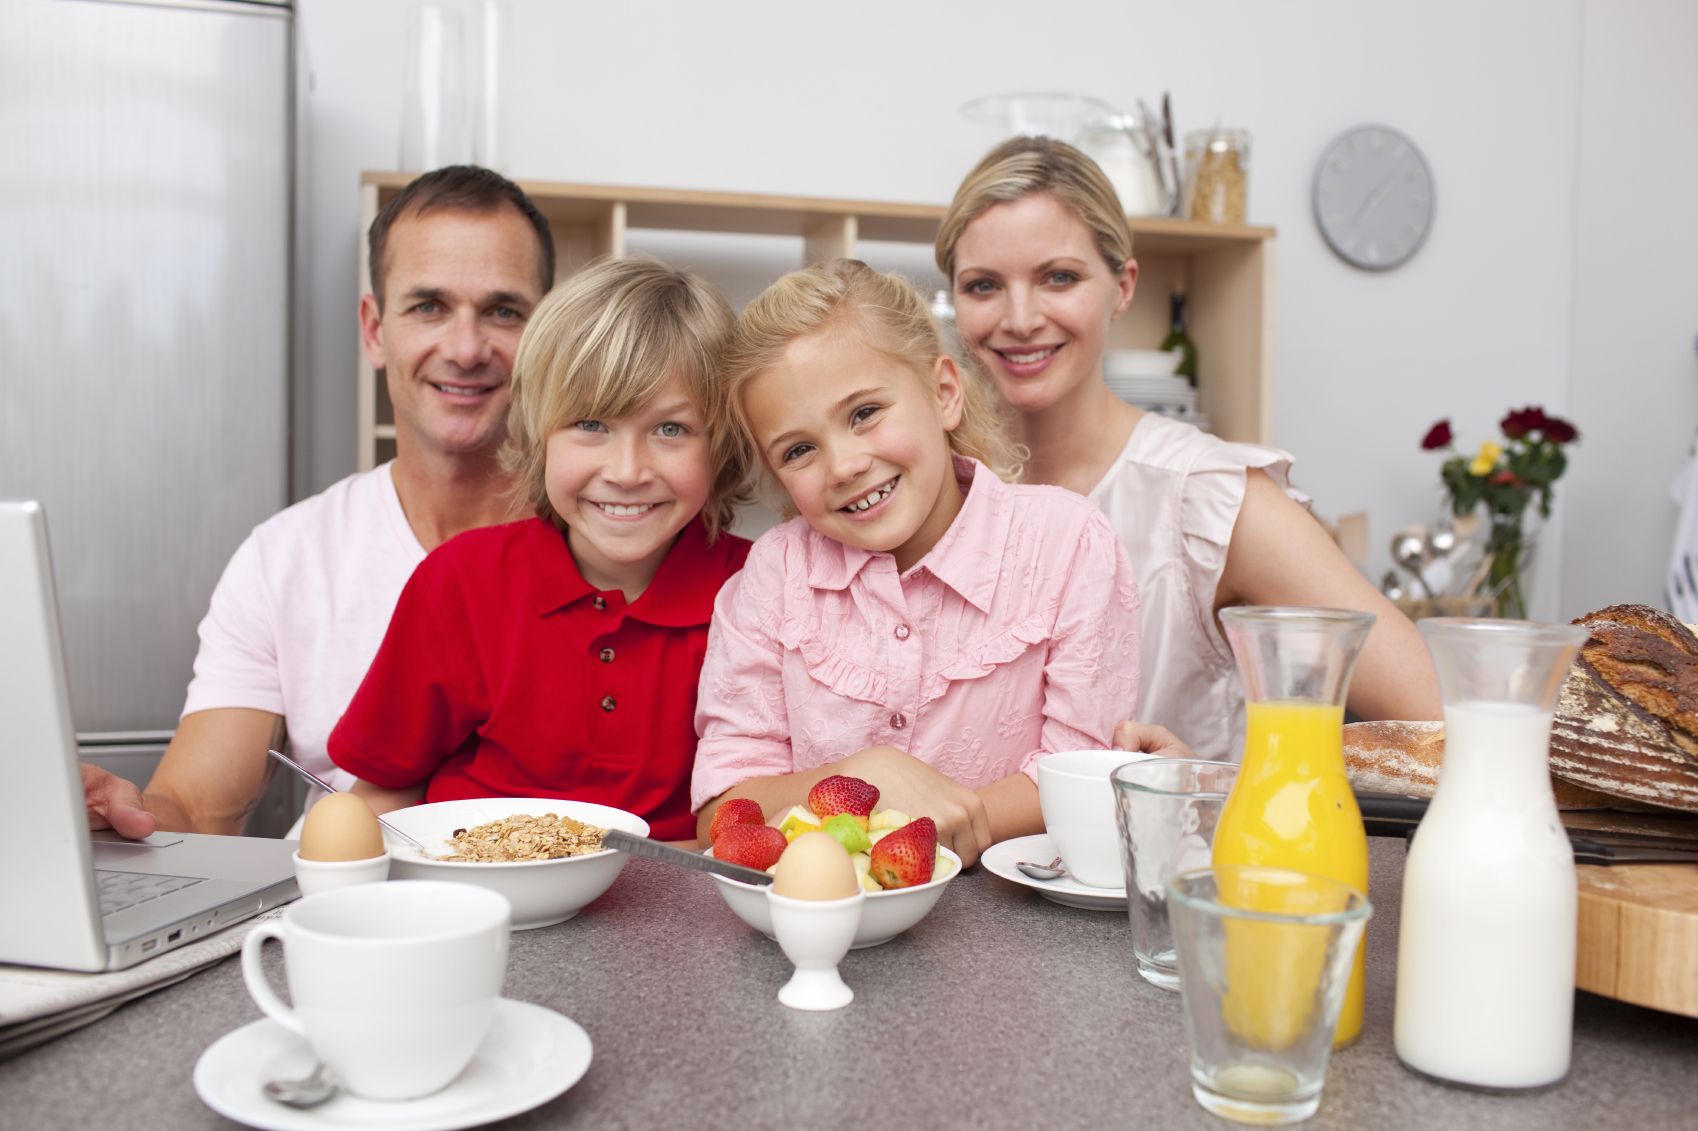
[
  {"x": 310, "y": 1092},
  {"x": 1051, "y": 871}
]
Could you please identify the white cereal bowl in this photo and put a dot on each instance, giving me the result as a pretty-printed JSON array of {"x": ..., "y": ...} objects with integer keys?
[
  {"x": 885, "y": 914},
  {"x": 542, "y": 892}
]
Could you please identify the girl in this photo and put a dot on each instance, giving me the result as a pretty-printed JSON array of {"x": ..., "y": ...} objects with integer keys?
[
  {"x": 1040, "y": 257},
  {"x": 557, "y": 657},
  {"x": 923, "y": 625}
]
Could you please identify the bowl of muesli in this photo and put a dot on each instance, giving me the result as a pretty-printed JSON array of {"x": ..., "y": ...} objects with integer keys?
[{"x": 542, "y": 853}]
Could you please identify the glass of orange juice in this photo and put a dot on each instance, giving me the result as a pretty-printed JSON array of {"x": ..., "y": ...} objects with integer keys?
[{"x": 1291, "y": 806}]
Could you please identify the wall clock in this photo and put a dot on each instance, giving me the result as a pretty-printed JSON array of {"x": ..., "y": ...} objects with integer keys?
[{"x": 1373, "y": 197}]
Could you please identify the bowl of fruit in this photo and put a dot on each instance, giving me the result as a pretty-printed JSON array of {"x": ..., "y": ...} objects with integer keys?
[{"x": 901, "y": 866}]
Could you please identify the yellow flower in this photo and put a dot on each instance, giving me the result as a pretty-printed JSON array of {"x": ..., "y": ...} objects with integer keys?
[{"x": 1486, "y": 460}]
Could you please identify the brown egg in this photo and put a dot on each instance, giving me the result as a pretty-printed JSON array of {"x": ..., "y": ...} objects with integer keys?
[
  {"x": 341, "y": 827},
  {"x": 815, "y": 866}
]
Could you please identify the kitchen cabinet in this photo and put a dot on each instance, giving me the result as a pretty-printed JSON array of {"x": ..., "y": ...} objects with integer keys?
[{"x": 1228, "y": 272}]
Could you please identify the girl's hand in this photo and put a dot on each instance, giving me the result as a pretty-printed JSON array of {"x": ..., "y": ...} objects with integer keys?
[
  {"x": 1147, "y": 738},
  {"x": 909, "y": 785}
]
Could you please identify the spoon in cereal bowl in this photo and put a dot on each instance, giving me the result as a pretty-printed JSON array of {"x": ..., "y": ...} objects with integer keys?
[
  {"x": 328, "y": 788},
  {"x": 556, "y": 865}
]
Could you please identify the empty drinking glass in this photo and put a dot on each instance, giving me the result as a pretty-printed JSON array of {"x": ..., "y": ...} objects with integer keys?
[{"x": 1168, "y": 808}]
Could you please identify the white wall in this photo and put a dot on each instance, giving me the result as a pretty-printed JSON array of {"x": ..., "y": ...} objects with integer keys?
[
  {"x": 860, "y": 101},
  {"x": 1635, "y": 391}
]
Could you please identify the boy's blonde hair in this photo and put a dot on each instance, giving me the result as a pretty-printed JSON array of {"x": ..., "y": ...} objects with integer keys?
[
  {"x": 883, "y": 311},
  {"x": 600, "y": 346},
  {"x": 1025, "y": 165}
]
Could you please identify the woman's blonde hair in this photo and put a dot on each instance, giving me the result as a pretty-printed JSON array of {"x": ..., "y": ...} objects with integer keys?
[
  {"x": 600, "y": 346},
  {"x": 883, "y": 311},
  {"x": 1025, "y": 165}
]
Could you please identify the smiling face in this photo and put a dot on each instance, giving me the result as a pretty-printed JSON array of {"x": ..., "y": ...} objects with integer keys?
[
  {"x": 1034, "y": 299},
  {"x": 459, "y": 289},
  {"x": 859, "y": 440},
  {"x": 626, "y": 487}
]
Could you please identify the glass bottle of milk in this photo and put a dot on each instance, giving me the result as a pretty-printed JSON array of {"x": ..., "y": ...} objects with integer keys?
[{"x": 1485, "y": 966}]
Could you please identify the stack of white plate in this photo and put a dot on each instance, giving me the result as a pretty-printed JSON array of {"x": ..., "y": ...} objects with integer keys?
[{"x": 1145, "y": 378}]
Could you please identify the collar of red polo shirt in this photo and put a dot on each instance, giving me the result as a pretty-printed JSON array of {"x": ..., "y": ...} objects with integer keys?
[{"x": 680, "y": 595}]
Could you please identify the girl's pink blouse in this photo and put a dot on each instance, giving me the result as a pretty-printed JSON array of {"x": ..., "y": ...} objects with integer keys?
[{"x": 1015, "y": 637}]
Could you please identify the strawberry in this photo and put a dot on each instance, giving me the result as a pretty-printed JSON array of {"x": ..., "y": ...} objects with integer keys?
[
  {"x": 904, "y": 858},
  {"x": 753, "y": 846},
  {"x": 737, "y": 811},
  {"x": 838, "y": 794}
]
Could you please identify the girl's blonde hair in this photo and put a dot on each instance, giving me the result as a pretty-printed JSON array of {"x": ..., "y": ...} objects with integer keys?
[
  {"x": 1025, "y": 165},
  {"x": 887, "y": 314},
  {"x": 600, "y": 346}
]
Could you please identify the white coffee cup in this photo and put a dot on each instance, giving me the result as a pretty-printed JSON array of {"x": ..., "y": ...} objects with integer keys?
[
  {"x": 1077, "y": 800},
  {"x": 394, "y": 984}
]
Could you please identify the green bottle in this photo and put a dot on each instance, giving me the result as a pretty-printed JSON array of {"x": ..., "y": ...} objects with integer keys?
[{"x": 1178, "y": 339}]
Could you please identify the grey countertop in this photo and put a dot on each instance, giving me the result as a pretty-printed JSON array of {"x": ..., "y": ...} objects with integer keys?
[{"x": 1000, "y": 1010}]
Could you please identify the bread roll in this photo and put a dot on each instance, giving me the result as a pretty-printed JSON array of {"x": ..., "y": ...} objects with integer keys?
[
  {"x": 1404, "y": 758},
  {"x": 1627, "y": 719}
]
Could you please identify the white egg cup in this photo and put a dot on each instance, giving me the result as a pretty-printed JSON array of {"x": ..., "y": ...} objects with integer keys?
[
  {"x": 815, "y": 934},
  {"x": 314, "y": 876}
]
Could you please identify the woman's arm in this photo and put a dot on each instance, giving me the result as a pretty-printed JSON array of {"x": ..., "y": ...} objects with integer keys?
[{"x": 1279, "y": 555}]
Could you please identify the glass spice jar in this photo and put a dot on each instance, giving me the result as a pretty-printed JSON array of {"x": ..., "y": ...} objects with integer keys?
[{"x": 1217, "y": 164}]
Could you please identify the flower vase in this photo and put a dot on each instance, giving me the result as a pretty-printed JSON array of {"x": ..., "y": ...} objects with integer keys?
[{"x": 1511, "y": 549}]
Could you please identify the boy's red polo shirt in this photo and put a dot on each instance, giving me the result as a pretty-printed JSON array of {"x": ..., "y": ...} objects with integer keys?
[{"x": 504, "y": 673}]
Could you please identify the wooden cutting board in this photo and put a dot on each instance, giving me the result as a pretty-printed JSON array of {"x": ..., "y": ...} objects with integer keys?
[
  {"x": 1639, "y": 934},
  {"x": 1639, "y": 922}
]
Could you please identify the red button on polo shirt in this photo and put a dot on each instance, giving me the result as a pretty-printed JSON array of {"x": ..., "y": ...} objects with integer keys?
[{"x": 491, "y": 680}]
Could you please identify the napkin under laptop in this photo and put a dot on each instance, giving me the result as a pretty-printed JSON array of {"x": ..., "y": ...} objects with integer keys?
[{"x": 37, "y": 1005}]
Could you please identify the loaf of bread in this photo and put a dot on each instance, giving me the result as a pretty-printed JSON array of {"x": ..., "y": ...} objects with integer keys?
[
  {"x": 1404, "y": 758},
  {"x": 1627, "y": 719}
]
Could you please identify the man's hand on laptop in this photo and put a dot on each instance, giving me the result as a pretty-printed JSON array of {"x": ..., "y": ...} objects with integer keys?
[{"x": 114, "y": 803}]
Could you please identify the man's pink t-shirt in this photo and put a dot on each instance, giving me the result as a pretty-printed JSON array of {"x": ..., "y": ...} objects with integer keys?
[
  {"x": 1015, "y": 637},
  {"x": 301, "y": 609}
]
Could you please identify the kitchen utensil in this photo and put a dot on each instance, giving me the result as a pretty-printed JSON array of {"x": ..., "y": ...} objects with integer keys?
[
  {"x": 1264, "y": 957},
  {"x": 310, "y": 1092},
  {"x": 815, "y": 934},
  {"x": 658, "y": 850},
  {"x": 1295, "y": 664},
  {"x": 1486, "y": 938},
  {"x": 1168, "y": 810},
  {"x": 1124, "y": 147},
  {"x": 394, "y": 985},
  {"x": 328, "y": 788},
  {"x": 1077, "y": 802},
  {"x": 1411, "y": 550},
  {"x": 1051, "y": 871},
  {"x": 543, "y": 892},
  {"x": 886, "y": 914}
]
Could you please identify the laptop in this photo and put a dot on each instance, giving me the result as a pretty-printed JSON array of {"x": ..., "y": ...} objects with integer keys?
[{"x": 70, "y": 899}]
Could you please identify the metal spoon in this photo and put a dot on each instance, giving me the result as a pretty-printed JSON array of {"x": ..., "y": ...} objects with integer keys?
[
  {"x": 328, "y": 788},
  {"x": 310, "y": 1092},
  {"x": 1051, "y": 871}
]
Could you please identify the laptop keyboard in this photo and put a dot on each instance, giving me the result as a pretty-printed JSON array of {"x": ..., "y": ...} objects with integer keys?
[{"x": 119, "y": 890}]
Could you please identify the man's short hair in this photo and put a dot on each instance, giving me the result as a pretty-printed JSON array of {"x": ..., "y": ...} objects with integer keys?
[{"x": 464, "y": 188}]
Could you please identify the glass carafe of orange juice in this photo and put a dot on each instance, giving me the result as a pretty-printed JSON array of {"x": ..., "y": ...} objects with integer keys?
[{"x": 1291, "y": 805}]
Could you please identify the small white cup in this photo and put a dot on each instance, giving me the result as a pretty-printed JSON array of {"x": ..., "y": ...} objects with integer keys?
[
  {"x": 315, "y": 876},
  {"x": 1077, "y": 800},
  {"x": 394, "y": 984},
  {"x": 815, "y": 934}
]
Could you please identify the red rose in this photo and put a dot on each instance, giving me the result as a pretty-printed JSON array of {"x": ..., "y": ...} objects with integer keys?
[
  {"x": 1560, "y": 431},
  {"x": 1522, "y": 421},
  {"x": 1437, "y": 436},
  {"x": 1506, "y": 476}
]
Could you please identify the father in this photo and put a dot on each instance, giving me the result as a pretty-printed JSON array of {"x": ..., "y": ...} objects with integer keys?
[{"x": 459, "y": 259}]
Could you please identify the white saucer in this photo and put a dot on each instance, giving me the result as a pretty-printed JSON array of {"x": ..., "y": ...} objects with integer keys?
[
  {"x": 530, "y": 1055},
  {"x": 1067, "y": 891}
]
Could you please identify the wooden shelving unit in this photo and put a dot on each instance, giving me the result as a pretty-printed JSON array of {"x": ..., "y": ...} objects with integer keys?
[{"x": 1228, "y": 273}]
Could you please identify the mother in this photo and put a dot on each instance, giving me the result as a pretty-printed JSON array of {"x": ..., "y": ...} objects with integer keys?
[{"x": 1039, "y": 256}]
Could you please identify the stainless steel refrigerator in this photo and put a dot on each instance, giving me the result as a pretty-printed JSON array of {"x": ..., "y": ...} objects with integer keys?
[{"x": 146, "y": 188}]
